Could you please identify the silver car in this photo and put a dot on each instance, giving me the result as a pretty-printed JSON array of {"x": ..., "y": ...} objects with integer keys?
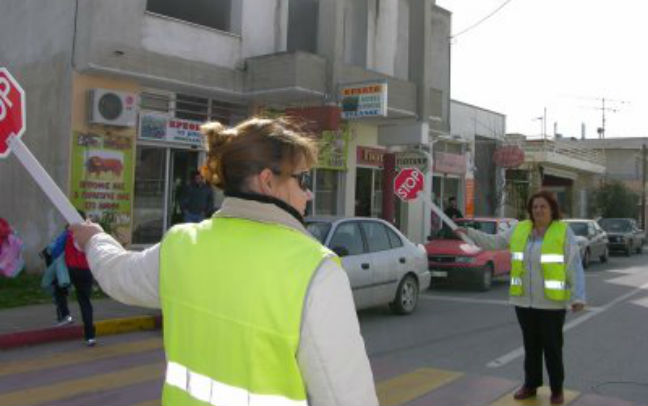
[
  {"x": 383, "y": 266},
  {"x": 592, "y": 240}
]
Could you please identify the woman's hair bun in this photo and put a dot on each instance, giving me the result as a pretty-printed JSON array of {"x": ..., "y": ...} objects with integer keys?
[{"x": 216, "y": 137}]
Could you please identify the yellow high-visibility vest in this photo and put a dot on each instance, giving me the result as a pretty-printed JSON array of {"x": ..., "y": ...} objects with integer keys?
[
  {"x": 232, "y": 293},
  {"x": 552, "y": 260}
]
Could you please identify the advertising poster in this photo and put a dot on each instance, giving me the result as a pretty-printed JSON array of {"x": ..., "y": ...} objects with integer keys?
[
  {"x": 333, "y": 148},
  {"x": 102, "y": 180}
]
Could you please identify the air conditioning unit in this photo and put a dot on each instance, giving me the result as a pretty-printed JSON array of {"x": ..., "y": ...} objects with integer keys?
[{"x": 110, "y": 107}]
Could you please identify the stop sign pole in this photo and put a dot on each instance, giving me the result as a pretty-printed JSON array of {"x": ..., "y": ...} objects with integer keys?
[
  {"x": 407, "y": 186},
  {"x": 12, "y": 126}
]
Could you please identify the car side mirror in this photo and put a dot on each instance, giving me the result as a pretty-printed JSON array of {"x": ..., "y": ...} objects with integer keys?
[{"x": 340, "y": 251}]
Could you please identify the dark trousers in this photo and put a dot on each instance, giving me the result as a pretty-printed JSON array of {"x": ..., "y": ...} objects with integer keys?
[
  {"x": 542, "y": 334},
  {"x": 60, "y": 299},
  {"x": 82, "y": 281}
]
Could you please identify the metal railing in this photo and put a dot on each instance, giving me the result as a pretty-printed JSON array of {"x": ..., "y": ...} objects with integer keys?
[{"x": 565, "y": 147}]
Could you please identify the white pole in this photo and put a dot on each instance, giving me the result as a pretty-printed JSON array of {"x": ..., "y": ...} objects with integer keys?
[
  {"x": 43, "y": 179},
  {"x": 453, "y": 226}
]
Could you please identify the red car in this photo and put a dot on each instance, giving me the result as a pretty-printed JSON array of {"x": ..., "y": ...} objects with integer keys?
[{"x": 450, "y": 259}]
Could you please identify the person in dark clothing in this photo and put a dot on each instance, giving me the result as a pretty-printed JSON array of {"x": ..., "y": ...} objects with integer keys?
[
  {"x": 81, "y": 279},
  {"x": 196, "y": 199},
  {"x": 452, "y": 211}
]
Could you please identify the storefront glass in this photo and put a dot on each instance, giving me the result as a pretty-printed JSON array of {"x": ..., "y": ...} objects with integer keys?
[
  {"x": 326, "y": 192},
  {"x": 150, "y": 181},
  {"x": 368, "y": 192}
]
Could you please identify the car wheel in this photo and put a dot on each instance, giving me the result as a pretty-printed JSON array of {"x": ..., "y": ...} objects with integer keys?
[
  {"x": 605, "y": 256},
  {"x": 628, "y": 250},
  {"x": 406, "y": 296},
  {"x": 485, "y": 277},
  {"x": 586, "y": 259}
]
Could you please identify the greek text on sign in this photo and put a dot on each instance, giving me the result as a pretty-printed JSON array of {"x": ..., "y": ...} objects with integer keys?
[
  {"x": 408, "y": 183},
  {"x": 364, "y": 100},
  {"x": 12, "y": 110},
  {"x": 412, "y": 159},
  {"x": 160, "y": 127}
]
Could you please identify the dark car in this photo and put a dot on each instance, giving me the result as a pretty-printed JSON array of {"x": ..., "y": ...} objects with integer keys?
[{"x": 623, "y": 234}]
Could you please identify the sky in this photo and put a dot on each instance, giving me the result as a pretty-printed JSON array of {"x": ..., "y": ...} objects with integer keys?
[{"x": 562, "y": 55}]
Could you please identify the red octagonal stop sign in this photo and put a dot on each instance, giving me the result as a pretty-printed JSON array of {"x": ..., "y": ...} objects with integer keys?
[
  {"x": 12, "y": 110},
  {"x": 408, "y": 183}
]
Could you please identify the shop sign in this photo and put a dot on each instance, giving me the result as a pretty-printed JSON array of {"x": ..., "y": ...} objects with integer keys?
[
  {"x": 368, "y": 99},
  {"x": 445, "y": 162},
  {"x": 412, "y": 159},
  {"x": 508, "y": 156},
  {"x": 160, "y": 127},
  {"x": 102, "y": 180},
  {"x": 333, "y": 150},
  {"x": 369, "y": 156}
]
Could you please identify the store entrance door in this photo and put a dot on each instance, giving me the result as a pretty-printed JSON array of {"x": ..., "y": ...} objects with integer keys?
[{"x": 182, "y": 164}]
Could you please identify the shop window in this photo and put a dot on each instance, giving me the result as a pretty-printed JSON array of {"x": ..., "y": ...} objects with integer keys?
[
  {"x": 148, "y": 205},
  {"x": 227, "y": 113},
  {"x": 326, "y": 192},
  {"x": 368, "y": 192},
  {"x": 210, "y": 13}
]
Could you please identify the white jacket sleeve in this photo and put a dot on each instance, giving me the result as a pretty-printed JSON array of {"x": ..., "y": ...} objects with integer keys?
[
  {"x": 332, "y": 355},
  {"x": 127, "y": 276}
]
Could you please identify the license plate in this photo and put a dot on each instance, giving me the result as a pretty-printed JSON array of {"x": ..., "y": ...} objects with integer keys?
[{"x": 440, "y": 274}]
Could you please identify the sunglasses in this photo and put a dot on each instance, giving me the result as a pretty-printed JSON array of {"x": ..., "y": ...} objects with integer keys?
[{"x": 303, "y": 179}]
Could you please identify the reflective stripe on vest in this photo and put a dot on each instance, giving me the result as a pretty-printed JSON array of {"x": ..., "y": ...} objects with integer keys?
[
  {"x": 217, "y": 393},
  {"x": 232, "y": 320},
  {"x": 552, "y": 260}
]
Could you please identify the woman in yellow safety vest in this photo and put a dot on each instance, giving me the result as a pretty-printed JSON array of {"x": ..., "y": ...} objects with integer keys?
[
  {"x": 546, "y": 278},
  {"x": 255, "y": 310}
]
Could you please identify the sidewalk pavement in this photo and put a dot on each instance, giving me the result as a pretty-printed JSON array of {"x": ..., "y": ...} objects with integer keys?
[{"x": 30, "y": 325}]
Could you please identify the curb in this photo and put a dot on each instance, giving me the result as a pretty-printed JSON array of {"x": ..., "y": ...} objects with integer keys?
[{"x": 103, "y": 328}]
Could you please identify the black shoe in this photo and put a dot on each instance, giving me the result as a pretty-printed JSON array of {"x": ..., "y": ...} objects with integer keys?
[{"x": 524, "y": 393}]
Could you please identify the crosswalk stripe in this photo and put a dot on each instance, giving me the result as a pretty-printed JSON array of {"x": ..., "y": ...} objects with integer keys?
[
  {"x": 541, "y": 399},
  {"x": 66, "y": 389},
  {"x": 407, "y": 387},
  {"x": 78, "y": 356}
]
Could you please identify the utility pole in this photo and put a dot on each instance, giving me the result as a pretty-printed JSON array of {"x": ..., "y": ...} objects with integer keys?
[{"x": 643, "y": 186}]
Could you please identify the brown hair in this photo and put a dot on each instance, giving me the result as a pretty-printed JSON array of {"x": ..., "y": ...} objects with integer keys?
[
  {"x": 550, "y": 198},
  {"x": 234, "y": 154}
]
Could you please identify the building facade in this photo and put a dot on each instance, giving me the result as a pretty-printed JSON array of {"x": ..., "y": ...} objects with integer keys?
[{"x": 116, "y": 91}]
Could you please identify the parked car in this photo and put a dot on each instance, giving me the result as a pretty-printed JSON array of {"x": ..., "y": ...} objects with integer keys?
[
  {"x": 623, "y": 235},
  {"x": 592, "y": 240},
  {"x": 449, "y": 260},
  {"x": 383, "y": 266}
]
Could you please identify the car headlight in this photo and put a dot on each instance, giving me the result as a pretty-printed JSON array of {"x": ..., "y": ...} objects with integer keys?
[{"x": 465, "y": 260}]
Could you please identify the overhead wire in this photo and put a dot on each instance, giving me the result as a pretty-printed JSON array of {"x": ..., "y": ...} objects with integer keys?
[{"x": 476, "y": 24}]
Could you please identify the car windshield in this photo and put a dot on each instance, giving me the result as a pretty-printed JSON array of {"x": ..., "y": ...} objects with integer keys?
[
  {"x": 488, "y": 227},
  {"x": 318, "y": 229},
  {"x": 612, "y": 225},
  {"x": 579, "y": 228}
]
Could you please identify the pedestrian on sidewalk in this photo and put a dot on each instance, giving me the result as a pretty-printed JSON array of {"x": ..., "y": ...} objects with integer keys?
[
  {"x": 253, "y": 306},
  {"x": 196, "y": 199},
  {"x": 80, "y": 277},
  {"x": 547, "y": 277}
]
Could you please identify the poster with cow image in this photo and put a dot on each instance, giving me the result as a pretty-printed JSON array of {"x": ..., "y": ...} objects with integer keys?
[{"x": 102, "y": 180}]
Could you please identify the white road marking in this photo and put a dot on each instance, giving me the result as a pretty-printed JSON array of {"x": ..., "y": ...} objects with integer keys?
[
  {"x": 591, "y": 312},
  {"x": 464, "y": 299}
]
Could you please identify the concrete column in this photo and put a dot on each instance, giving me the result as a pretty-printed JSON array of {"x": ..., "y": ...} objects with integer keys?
[
  {"x": 330, "y": 43},
  {"x": 420, "y": 33}
]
